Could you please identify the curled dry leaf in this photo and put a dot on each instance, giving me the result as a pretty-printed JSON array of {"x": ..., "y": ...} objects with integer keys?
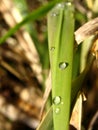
[{"x": 88, "y": 29}]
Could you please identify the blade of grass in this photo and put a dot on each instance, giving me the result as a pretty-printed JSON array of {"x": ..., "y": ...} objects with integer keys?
[
  {"x": 47, "y": 122},
  {"x": 21, "y": 5},
  {"x": 86, "y": 45},
  {"x": 76, "y": 62},
  {"x": 76, "y": 86},
  {"x": 61, "y": 30},
  {"x": 32, "y": 16},
  {"x": 77, "y": 83}
]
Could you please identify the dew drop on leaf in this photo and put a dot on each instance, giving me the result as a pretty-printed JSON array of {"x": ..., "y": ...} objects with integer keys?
[
  {"x": 63, "y": 65},
  {"x": 57, "y": 100},
  {"x": 52, "y": 48},
  {"x": 60, "y": 5},
  {"x": 57, "y": 110},
  {"x": 54, "y": 14}
]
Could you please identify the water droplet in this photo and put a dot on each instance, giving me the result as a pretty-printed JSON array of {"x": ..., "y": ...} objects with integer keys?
[
  {"x": 61, "y": 5},
  {"x": 57, "y": 110},
  {"x": 52, "y": 48},
  {"x": 62, "y": 103},
  {"x": 63, "y": 65},
  {"x": 57, "y": 100},
  {"x": 54, "y": 14}
]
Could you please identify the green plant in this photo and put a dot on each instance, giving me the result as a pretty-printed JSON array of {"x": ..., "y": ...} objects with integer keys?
[
  {"x": 68, "y": 64},
  {"x": 60, "y": 22}
]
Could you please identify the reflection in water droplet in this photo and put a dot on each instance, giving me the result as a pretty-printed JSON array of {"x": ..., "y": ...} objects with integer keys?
[
  {"x": 63, "y": 65},
  {"x": 57, "y": 110},
  {"x": 57, "y": 100},
  {"x": 62, "y": 103},
  {"x": 52, "y": 48}
]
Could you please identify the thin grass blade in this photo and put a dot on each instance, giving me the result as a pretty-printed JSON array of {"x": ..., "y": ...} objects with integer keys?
[
  {"x": 77, "y": 83},
  {"x": 76, "y": 86},
  {"x": 31, "y": 17},
  {"x": 61, "y": 30},
  {"x": 47, "y": 121}
]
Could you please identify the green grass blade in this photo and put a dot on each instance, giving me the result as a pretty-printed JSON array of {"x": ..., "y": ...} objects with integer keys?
[
  {"x": 77, "y": 83},
  {"x": 76, "y": 86},
  {"x": 76, "y": 62},
  {"x": 61, "y": 30},
  {"x": 86, "y": 45},
  {"x": 84, "y": 62},
  {"x": 31, "y": 17},
  {"x": 22, "y": 7},
  {"x": 47, "y": 121}
]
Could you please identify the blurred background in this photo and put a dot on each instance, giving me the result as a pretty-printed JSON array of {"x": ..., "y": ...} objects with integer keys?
[{"x": 24, "y": 66}]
